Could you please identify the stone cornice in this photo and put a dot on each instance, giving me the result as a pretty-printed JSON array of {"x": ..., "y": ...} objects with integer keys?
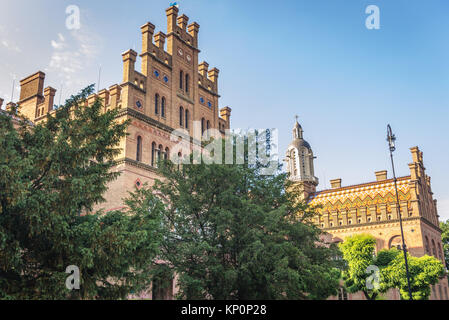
[
  {"x": 207, "y": 90},
  {"x": 430, "y": 224},
  {"x": 157, "y": 59},
  {"x": 184, "y": 42},
  {"x": 368, "y": 224},
  {"x": 39, "y": 96},
  {"x": 148, "y": 120},
  {"x": 136, "y": 164},
  {"x": 133, "y": 86},
  {"x": 183, "y": 97}
]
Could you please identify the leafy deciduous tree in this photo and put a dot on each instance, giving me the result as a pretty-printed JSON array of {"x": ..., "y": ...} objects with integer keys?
[{"x": 359, "y": 252}]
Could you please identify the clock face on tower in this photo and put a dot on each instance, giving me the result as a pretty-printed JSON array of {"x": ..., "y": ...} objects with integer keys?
[
  {"x": 189, "y": 58},
  {"x": 180, "y": 52}
]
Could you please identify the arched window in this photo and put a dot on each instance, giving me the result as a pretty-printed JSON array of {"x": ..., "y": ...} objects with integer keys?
[
  {"x": 167, "y": 153},
  {"x": 396, "y": 242},
  {"x": 187, "y": 83},
  {"x": 159, "y": 153},
  {"x": 180, "y": 160},
  {"x": 181, "y": 116},
  {"x": 153, "y": 154},
  {"x": 187, "y": 119},
  {"x": 163, "y": 107},
  {"x": 139, "y": 149},
  {"x": 181, "y": 76},
  {"x": 427, "y": 246},
  {"x": 434, "y": 249},
  {"x": 203, "y": 125},
  {"x": 440, "y": 252},
  {"x": 207, "y": 128},
  {"x": 156, "y": 103}
]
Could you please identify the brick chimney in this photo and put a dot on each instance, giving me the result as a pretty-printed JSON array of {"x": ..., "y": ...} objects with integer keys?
[
  {"x": 225, "y": 113},
  {"x": 336, "y": 183},
  {"x": 49, "y": 94},
  {"x": 32, "y": 86},
  {"x": 381, "y": 175}
]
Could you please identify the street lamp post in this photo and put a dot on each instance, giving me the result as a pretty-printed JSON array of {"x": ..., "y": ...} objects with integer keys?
[{"x": 391, "y": 138}]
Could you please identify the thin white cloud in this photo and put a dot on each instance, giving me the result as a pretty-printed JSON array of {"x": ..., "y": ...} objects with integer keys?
[
  {"x": 10, "y": 46},
  {"x": 60, "y": 43},
  {"x": 7, "y": 41},
  {"x": 71, "y": 57}
]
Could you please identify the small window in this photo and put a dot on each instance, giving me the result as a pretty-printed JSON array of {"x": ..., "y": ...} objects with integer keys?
[
  {"x": 156, "y": 104},
  {"x": 159, "y": 153},
  {"x": 156, "y": 73},
  {"x": 181, "y": 116},
  {"x": 166, "y": 79},
  {"x": 187, "y": 119},
  {"x": 139, "y": 149},
  {"x": 163, "y": 107},
  {"x": 181, "y": 76},
  {"x": 180, "y": 160},
  {"x": 153, "y": 154},
  {"x": 167, "y": 154}
]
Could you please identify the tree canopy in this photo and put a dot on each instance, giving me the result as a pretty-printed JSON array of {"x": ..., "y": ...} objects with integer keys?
[
  {"x": 375, "y": 274},
  {"x": 233, "y": 233},
  {"x": 445, "y": 239},
  {"x": 52, "y": 174}
]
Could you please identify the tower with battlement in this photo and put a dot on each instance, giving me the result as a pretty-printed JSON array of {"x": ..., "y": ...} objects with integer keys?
[{"x": 172, "y": 91}]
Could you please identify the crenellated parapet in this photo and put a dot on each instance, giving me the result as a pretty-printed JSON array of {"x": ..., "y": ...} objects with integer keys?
[
  {"x": 172, "y": 87},
  {"x": 375, "y": 202},
  {"x": 420, "y": 186},
  {"x": 35, "y": 101}
]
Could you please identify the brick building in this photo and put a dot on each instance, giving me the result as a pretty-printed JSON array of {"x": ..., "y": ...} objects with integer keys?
[
  {"x": 370, "y": 208},
  {"x": 173, "y": 91}
]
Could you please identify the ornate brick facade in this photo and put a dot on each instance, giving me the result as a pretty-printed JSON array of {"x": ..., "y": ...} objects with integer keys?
[
  {"x": 173, "y": 91},
  {"x": 370, "y": 208}
]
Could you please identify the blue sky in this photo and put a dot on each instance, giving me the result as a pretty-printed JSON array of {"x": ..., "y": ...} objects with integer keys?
[{"x": 277, "y": 59}]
